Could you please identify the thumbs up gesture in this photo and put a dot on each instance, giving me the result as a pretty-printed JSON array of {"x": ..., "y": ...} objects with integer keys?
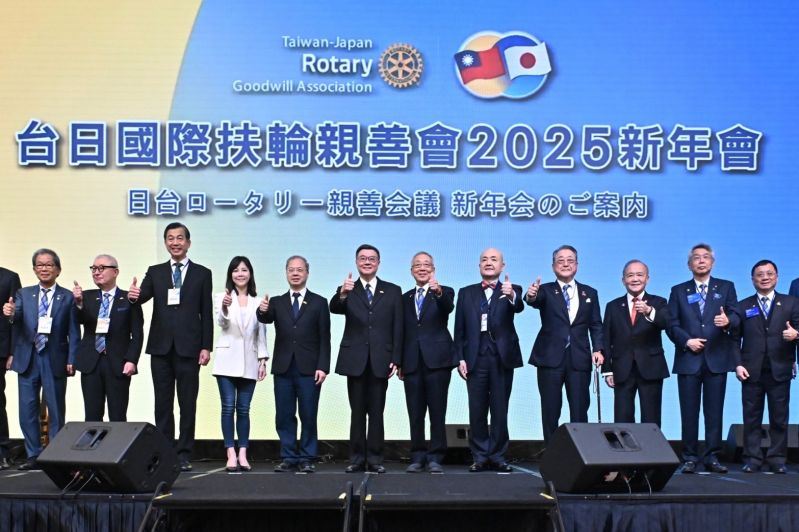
[
  {"x": 347, "y": 286},
  {"x": 133, "y": 291},
  {"x": 532, "y": 292},
  {"x": 507, "y": 287},
  {"x": 9, "y": 308},
  {"x": 77, "y": 293},
  {"x": 789, "y": 334},
  {"x": 721, "y": 319},
  {"x": 264, "y": 306},
  {"x": 434, "y": 286},
  {"x": 227, "y": 299}
]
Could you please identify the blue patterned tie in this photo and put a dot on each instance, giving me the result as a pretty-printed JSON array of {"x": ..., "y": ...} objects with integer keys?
[
  {"x": 295, "y": 307},
  {"x": 419, "y": 301},
  {"x": 369, "y": 294},
  {"x": 566, "y": 297},
  {"x": 765, "y": 301},
  {"x": 99, "y": 339},
  {"x": 177, "y": 280},
  {"x": 41, "y": 339},
  {"x": 702, "y": 297}
]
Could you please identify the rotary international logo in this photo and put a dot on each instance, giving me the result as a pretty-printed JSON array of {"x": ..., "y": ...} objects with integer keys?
[
  {"x": 401, "y": 66},
  {"x": 511, "y": 65}
]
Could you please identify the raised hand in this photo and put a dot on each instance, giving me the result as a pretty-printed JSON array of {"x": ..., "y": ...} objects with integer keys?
[
  {"x": 77, "y": 293},
  {"x": 434, "y": 286},
  {"x": 507, "y": 287},
  {"x": 532, "y": 291},
  {"x": 133, "y": 291},
  {"x": 721, "y": 319},
  {"x": 347, "y": 286},
  {"x": 264, "y": 306},
  {"x": 9, "y": 308},
  {"x": 227, "y": 300},
  {"x": 789, "y": 334}
]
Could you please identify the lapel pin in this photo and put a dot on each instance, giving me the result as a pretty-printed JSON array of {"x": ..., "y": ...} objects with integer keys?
[
  {"x": 380, "y": 291},
  {"x": 779, "y": 304}
]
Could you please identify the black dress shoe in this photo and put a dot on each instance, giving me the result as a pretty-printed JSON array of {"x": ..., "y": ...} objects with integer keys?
[
  {"x": 284, "y": 467},
  {"x": 4, "y": 463},
  {"x": 478, "y": 467},
  {"x": 749, "y": 468},
  {"x": 715, "y": 467},
  {"x": 377, "y": 469},
  {"x": 231, "y": 469},
  {"x": 354, "y": 468},
  {"x": 29, "y": 465},
  {"x": 307, "y": 467},
  {"x": 689, "y": 467},
  {"x": 434, "y": 467},
  {"x": 185, "y": 466},
  {"x": 504, "y": 467},
  {"x": 779, "y": 469},
  {"x": 414, "y": 467}
]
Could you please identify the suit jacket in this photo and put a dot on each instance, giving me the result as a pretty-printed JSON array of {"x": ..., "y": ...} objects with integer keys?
[
  {"x": 500, "y": 323},
  {"x": 9, "y": 284},
  {"x": 64, "y": 335},
  {"x": 243, "y": 340},
  {"x": 794, "y": 290},
  {"x": 556, "y": 331},
  {"x": 188, "y": 326},
  {"x": 371, "y": 332},
  {"x": 125, "y": 336},
  {"x": 427, "y": 335},
  {"x": 686, "y": 322},
  {"x": 759, "y": 337},
  {"x": 306, "y": 339},
  {"x": 642, "y": 343}
]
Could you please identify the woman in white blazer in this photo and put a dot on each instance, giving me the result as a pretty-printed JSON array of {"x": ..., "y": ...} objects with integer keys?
[{"x": 240, "y": 358}]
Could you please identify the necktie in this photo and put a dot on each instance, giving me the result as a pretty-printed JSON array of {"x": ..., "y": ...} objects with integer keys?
[
  {"x": 177, "y": 280},
  {"x": 99, "y": 339},
  {"x": 419, "y": 301},
  {"x": 702, "y": 296},
  {"x": 369, "y": 294},
  {"x": 295, "y": 307},
  {"x": 765, "y": 302},
  {"x": 633, "y": 313},
  {"x": 567, "y": 297},
  {"x": 41, "y": 339}
]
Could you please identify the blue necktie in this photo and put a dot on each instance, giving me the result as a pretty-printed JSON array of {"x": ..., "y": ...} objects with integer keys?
[
  {"x": 99, "y": 339},
  {"x": 369, "y": 294},
  {"x": 702, "y": 297},
  {"x": 765, "y": 301},
  {"x": 177, "y": 280},
  {"x": 568, "y": 308},
  {"x": 419, "y": 301},
  {"x": 295, "y": 307},
  {"x": 41, "y": 339}
]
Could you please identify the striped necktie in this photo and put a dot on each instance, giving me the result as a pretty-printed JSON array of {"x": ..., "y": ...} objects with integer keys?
[
  {"x": 99, "y": 339},
  {"x": 41, "y": 339}
]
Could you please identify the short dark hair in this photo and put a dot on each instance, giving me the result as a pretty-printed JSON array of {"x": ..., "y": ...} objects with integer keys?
[
  {"x": 177, "y": 225},
  {"x": 565, "y": 247},
  {"x": 46, "y": 251},
  {"x": 367, "y": 246},
  {"x": 764, "y": 262},
  {"x": 300, "y": 257},
  {"x": 234, "y": 263}
]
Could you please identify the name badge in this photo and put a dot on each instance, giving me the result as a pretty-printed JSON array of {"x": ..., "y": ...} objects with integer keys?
[
  {"x": 694, "y": 298},
  {"x": 483, "y": 322},
  {"x": 102, "y": 325},
  {"x": 752, "y": 312},
  {"x": 173, "y": 296},
  {"x": 45, "y": 325}
]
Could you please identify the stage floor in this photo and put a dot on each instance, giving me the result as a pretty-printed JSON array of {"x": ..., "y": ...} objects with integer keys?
[{"x": 209, "y": 498}]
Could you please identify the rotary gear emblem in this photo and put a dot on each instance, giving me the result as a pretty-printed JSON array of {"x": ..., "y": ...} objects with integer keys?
[{"x": 401, "y": 66}]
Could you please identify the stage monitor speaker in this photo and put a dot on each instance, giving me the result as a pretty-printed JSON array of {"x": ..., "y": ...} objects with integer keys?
[
  {"x": 733, "y": 450},
  {"x": 608, "y": 458},
  {"x": 113, "y": 457}
]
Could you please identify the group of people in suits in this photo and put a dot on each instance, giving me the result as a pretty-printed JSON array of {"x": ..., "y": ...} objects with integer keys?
[{"x": 387, "y": 332}]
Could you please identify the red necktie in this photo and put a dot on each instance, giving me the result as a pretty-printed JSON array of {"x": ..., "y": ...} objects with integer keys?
[{"x": 633, "y": 313}]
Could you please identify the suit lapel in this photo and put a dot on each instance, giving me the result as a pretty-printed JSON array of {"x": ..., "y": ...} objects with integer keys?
[
  {"x": 561, "y": 300},
  {"x": 302, "y": 306},
  {"x": 378, "y": 292}
]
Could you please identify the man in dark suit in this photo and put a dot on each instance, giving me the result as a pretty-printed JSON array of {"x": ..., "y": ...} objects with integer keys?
[
  {"x": 9, "y": 284},
  {"x": 300, "y": 363},
  {"x": 562, "y": 353},
  {"x": 701, "y": 318},
  {"x": 369, "y": 355},
  {"x": 113, "y": 335},
  {"x": 487, "y": 350},
  {"x": 427, "y": 362},
  {"x": 634, "y": 357},
  {"x": 765, "y": 364},
  {"x": 794, "y": 290},
  {"x": 181, "y": 335},
  {"x": 45, "y": 339}
]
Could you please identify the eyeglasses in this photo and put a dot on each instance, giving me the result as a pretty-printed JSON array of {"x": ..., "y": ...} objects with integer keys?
[
  {"x": 48, "y": 266},
  {"x": 565, "y": 262},
  {"x": 295, "y": 270},
  {"x": 101, "y": 268},
  {"x": 419, "y": 265},
  {"x": 371, "y": 260}
]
